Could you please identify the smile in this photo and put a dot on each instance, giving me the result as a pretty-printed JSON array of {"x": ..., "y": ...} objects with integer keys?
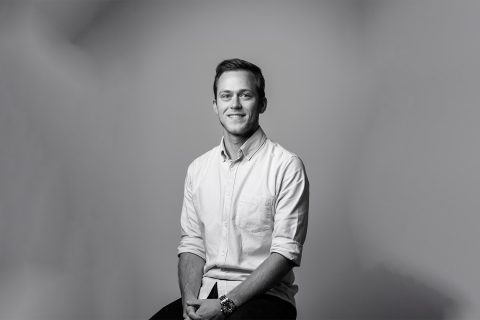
[{"x": 236, "y": 116}]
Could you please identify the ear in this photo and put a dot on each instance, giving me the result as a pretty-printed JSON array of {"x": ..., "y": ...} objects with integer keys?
[
  {"x": 214, "y": 105},
  {"x": 264, "y": 106}
]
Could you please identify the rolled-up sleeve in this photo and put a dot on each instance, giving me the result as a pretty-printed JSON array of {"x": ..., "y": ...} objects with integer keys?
[
  {"x": 291, "y": 211},
  {"x": 191, "y": 239}
]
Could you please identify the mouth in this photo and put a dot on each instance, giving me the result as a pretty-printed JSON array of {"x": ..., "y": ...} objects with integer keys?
[{"x": 236, "y": 116}]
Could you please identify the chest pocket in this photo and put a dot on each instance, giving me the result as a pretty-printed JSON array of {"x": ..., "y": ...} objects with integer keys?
[{"x": 254, "y": 213}]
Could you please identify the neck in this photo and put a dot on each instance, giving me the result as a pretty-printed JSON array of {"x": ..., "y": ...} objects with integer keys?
[
  {"x": 232, "y": 145},
  {"x": 233, "y": 142}
]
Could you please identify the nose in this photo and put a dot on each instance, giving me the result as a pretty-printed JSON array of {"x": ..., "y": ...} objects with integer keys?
[{"x": 236, "y": 102}]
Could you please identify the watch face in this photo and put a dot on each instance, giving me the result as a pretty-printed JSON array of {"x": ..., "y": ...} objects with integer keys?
[{"x": 227, "y": 305}]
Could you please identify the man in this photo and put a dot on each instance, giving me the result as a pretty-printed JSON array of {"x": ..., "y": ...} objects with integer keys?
[{"x": 244, "y": 215}]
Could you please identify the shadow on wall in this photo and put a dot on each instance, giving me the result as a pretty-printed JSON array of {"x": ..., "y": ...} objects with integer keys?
[{"x": 384, "y": 293}]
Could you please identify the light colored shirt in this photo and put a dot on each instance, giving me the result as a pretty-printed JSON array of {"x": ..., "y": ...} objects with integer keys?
[{"x": 237, "y": 212}]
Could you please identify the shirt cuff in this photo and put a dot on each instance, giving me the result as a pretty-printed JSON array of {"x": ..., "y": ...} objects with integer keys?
[
  {"x": 192, "y": 245},
  {"x": 288, "y": 248}
]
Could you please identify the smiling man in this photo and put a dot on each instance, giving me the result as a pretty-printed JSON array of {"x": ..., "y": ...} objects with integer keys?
[{"x": 244, "y": 216}]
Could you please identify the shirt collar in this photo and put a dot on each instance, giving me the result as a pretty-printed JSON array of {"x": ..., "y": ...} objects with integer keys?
[{"x": 249, "y": 147}]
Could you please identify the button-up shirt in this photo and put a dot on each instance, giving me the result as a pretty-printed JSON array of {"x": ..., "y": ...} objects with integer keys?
[{"x": 236, "y": 212}]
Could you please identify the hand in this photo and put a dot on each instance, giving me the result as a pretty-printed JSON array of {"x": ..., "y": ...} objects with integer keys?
[
  {"x": 186, "y": 311},
  {"x": 207, "y": 309}
]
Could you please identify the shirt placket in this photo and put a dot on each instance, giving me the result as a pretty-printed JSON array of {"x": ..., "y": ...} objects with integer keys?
[{"x": 232, "y": 167}]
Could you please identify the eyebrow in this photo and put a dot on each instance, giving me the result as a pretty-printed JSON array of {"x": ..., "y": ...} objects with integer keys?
[{"x": 239, "y": 91}]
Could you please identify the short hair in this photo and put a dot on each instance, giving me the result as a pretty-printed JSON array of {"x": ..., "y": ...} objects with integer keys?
[{"x": 239, "y": 64}]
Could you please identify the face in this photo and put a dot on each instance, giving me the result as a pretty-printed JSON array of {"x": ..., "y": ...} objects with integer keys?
[{"x": 237, "y": 103}]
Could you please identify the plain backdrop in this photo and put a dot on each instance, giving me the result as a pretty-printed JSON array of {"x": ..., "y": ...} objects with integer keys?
[{"x": 103, "y": 104}]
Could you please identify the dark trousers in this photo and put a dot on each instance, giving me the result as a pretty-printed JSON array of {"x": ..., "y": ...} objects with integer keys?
[{"x": 263, "y": 306}]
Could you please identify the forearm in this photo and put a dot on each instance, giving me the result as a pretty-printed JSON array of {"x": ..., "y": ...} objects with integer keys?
[
  {"x": 190, "y": 272},
  {"x": 272, "y": 270}
]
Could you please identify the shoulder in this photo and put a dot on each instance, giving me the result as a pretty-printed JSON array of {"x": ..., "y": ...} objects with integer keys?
[
  {"x": 201, "y": 162},
  {"x": 285, "y": 158}
]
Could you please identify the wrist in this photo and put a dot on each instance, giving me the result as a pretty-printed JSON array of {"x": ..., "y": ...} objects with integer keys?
[{"x": 187, "y": 297}]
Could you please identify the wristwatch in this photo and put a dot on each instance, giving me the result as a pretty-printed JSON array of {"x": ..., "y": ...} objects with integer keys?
[{"x": 227, "y": 305}]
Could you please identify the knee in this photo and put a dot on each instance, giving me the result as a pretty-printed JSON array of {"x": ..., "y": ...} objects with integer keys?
[{"x": 172, "y": 311}]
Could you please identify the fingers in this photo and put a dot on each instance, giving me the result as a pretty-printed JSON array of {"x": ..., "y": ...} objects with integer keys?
[
  {"x": 185, "y": 316},
  {"x": 192, "y": 315}
]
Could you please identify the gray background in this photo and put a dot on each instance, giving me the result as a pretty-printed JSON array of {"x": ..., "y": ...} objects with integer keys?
[{"x": 104, "y": 104}]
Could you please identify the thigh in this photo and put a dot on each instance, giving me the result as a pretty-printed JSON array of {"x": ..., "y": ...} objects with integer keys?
[
  {"x": 265, "y": 307},
  {"x": 172, "y": 311}
]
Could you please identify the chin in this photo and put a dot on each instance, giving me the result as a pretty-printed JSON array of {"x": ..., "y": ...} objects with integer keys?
[
  {"x": 237, "y": 132},
  {"x": 240, "y": 130}
]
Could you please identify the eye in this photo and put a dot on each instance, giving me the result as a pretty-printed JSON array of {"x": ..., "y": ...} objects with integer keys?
[
  {"x": 246, "y": 95},
  {"x": 225, "y": 96}
]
